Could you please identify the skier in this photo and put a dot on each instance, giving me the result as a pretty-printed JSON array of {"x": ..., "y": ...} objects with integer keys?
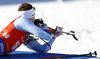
[{"x": 15, "y": 33}]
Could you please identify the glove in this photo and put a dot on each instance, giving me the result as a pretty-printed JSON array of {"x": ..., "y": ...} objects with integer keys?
[
  {"x": 58, "y": 32},
  {"x": 39, "y": 21}
]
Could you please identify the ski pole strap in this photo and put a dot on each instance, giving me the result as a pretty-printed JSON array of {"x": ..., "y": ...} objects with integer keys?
[{"x": 46, "y": 43}]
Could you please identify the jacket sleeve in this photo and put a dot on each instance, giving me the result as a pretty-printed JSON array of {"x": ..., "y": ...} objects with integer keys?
[{"x": 30, "y": 27}]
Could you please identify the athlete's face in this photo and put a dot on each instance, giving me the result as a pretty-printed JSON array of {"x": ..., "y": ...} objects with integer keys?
[{"x": 32, "y": 19}]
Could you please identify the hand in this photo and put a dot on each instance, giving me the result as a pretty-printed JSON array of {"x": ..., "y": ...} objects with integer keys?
[{"x": 57, "y": 33}]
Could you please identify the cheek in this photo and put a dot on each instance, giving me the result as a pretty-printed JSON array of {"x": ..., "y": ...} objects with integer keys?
[{"x": 33, "y": 18}]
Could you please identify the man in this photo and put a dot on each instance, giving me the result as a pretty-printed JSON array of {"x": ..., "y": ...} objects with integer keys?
[{"x": 15, "y": 33}]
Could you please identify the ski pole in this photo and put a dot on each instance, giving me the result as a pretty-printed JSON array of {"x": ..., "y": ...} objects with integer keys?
[
  {"x": 69, "y": 56},
  {"x": 72, "y": 34}
]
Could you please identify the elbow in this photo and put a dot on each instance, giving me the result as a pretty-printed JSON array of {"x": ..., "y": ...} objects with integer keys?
[{"x": 42, "y": 52}]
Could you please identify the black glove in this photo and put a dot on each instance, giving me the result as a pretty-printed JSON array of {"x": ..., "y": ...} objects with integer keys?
[{"x": 39, "y": 22}]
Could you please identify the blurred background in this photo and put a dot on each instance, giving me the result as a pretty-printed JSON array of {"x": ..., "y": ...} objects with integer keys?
[{"x": 81, "y": 16}]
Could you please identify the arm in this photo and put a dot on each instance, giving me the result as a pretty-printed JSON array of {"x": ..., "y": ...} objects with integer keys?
[{"x": 29, "y": 26}]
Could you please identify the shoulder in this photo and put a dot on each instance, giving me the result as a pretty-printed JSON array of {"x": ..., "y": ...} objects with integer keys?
[
  {"x": 27, "y": 21},
  {"x": 22, "y": 20}
]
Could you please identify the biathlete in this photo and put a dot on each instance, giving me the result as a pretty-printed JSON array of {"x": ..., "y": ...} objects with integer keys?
[{"x": 16, "y": 32}]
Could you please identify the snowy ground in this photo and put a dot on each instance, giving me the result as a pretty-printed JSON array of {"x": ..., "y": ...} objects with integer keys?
[{"x": 80, "y": 16}]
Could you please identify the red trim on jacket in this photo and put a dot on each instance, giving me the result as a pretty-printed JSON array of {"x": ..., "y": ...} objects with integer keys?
[{"x": 12, "y": 37}]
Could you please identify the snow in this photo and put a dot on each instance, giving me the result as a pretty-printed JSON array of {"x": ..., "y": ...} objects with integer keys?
[{"x": 80, "y": 16}]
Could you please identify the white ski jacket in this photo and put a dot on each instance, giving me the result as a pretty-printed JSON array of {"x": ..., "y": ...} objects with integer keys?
[{"x": 27, "y": 25}]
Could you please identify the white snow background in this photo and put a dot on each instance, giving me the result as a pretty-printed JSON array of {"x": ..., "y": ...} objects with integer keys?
[{"x": 81, "y": 16}]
